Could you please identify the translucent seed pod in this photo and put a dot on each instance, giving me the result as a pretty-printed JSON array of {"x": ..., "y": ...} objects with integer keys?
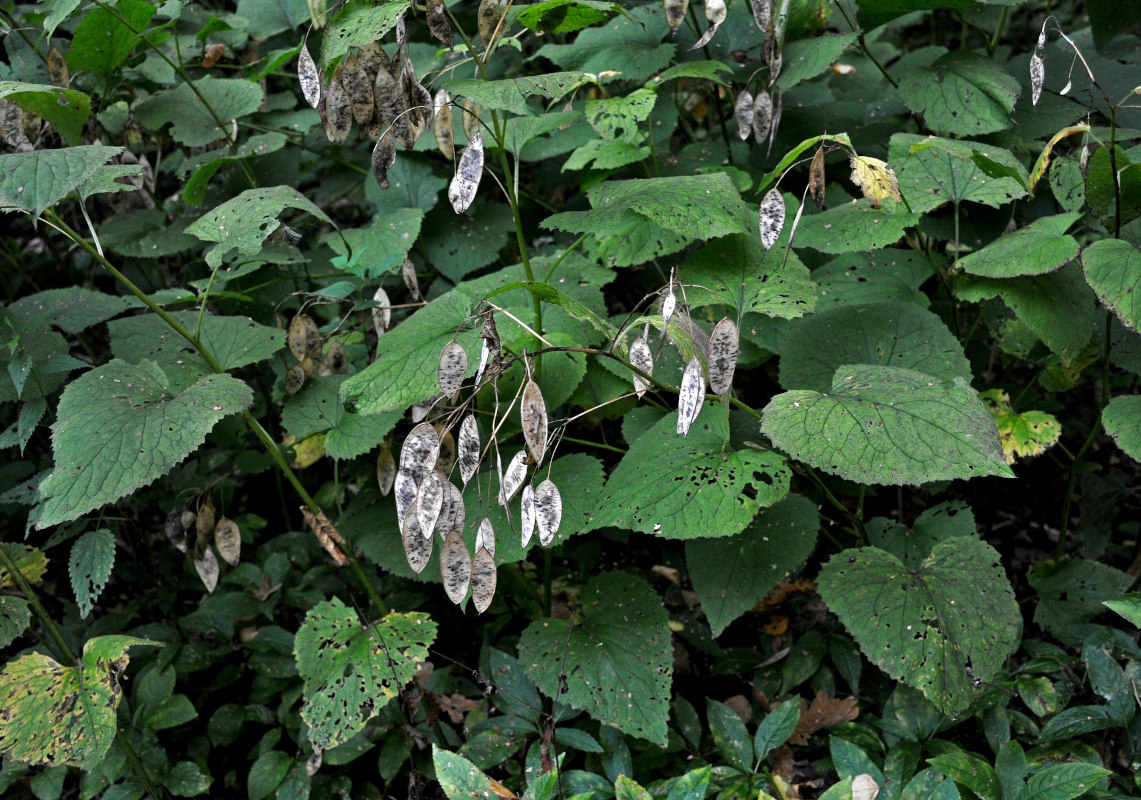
[
  {"x": 548, "y": 511},
  {"x": 490, "y": 13},
  {"x": 408, "y": 273},
  {"x": 336, "y": 359},
  {"x": 643, "y": 359},
  {"x": 417, "y": 547},
  {"x": 483, "y": 578},
  {"x": 485, "y": 536},
  {"x": 513, "y": 477},
  {"x": 470, "y": 117},
  {"x": 383, "y": 157},
  {"x": 452, "y": 368},
  {"x": 762, "y": 117},
  {"x": 392, "y": 109},
  {"x": 771, "y": 217},
  {"x": 295, "y": 378},
  {"x": 453, "y": 512},
  {"x": 715, "y": 13},
  {"x": 404, "y": 487},
  {"x": 691, "y": 396},
  {"x": 309, "y": 77},
  {"x": 58, "y": 73},
  {"x": 533, "y": 414},
  {"x": 420, "y": 450},
  {"x": 527, "y": 514},
  {"x": 175, "y": 531},
  {"x": 743, "y": 114},
  {"x": 381, "y": 314},
  {"x": 206, "y": 565},
  {"x": 443, "y": 124},
  {"x": 816, "y": 178},
  {"x": 447, "y": 458},
  {"x": 724, "y": 349},
  {"x": 430, "y": 501},
  {"x": 1037, "y": 78},
  {"x": 385, "y": 470},
  {"x": 762, "y": 13},
  {"x": 455, "y": 566},
  {"x": 675, "y": 14},
  {"x": 303, "y": 336},
  {"x": 228, "y": 540},
  {"x": 338, "y": 110},
  {"x": 467, "y": 448},
  {"x": 465, "y": 183},
  {"x": 357, "y": 82},
  {"x": 438, "y": 24}
]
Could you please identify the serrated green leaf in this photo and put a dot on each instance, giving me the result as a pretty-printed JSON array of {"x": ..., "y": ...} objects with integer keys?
[
  {"x": 691, "y": 487},
  {"x": 854, "y": 227},
  {"x": 1042, "y": 246},
  {"x": 1128, "y": 606},
  {"x": 706, "y": 70},
  {"x": 1063, "y": 781},
  {"x": 611, "y": 115},
  {"x": 267, "y": 19},
  {"x": 874, "y": 13},
  {"x": 317, "y": 408},
  {"x": 358, "y": 23},
  {"x": 203, "y": 167},
  {"x": 54, "y": 714},
  {"x": 605, "y": 155},
  {"x": 458, "y": 245},
  {"x": 620, "y": 655},
  {"x": 65, "y": 109},
  {"x": 888, "y": 426},
  {"x": 32, "y": 182},
  {"x": 380, "y": 247},
  {"x": 1071, "y": 594},
  {"x": 119, "y": 427},
  {"x": 1113, "y": 187},
  {"x": 898, "y": 335},
  {"x": 961, "y": 93},
  {"x": 105, "y": 38},
  {"x": 730, "y": 573},
  {"x": 693, "y": 785},
  {"x": 511, "y": 94},
  {"x": 243, "y": 223},
  {"x": 967, "y": 770},
  {"x": 14, "y": 618},
  {"x": 730, "y": 735},
  {"x": 623, "y": 239},
  {"x": 944, "y": 521},
  {"x": 92, "y": 557},
  {"x": 804, "y": 59},
  {"x": 459, "y": 778},
  {"x": 936, "y": 171},
  {"x": 193, "y": 124},
  {"x": 1113, "y": 270},
  {"x": 72, "y": 309},
  {"x": 736, "y": 272},
  {"x": 630, "y": 45},
  {"x": 350, "y": 670},
  {"x": 887, "y": 275},
  {"x": 30, "y": 561},
  {"x": 566, "y": 16},
  {"x": 934, "y": 626}
]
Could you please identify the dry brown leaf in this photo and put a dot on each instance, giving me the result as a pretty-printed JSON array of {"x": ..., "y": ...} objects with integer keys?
[
  {"x": 669, "y": 573},
  {"x": 456, "y": 706},
  {"x": 824, "y": 712},
  {"x": 326, "y": 534},
  {"x": 213, "y": 53},
  {"x": 502, "y": 791},
  {"x": 57, "y": 69},
  {"x": 816, "y": 177}
]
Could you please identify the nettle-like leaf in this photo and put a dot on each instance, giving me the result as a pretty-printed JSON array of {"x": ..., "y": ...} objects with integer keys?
[
  {"x": 33, "y": 182},
  {"x": 511, "y": 94},
  {"x": 30, "y": 561},
  {"x": 1042, "y": 246},
  {"x": 619, "y": 654},
  {"x": 71, "y": 309},
  {"x": 1122, "y": 421},
  {"x": 961, "y": 93},
  {"x": 1072, "y": 592},
  {"x": 119, "y": 427},
  {"x": 687, "y": 488},
  {"x": 885, "y": 334},
  {"x": 192, "y": 123},
  {"x": 936, "y": 524},
  {"x": 15, "y": 614},
  {"x": 937, "y": 171},
  {"x": 630, "y": 45},
  {"x": 611, "y": 115},
  {"x": 92, "y": 557},
  {"x": 359, "y": 23},
  {"x": 459, "y": 778},
  {"x": 1113, "y": 269},
  {"x": 854, "y": 227},
  {"x": 243, "y": 223},
  {"x": 65, "y": 109},
  {"x": 730, "y": 573},
  {"x": 934, "y": 627},
  {"x": 566, "y": 16},
  {"x": 317, "y": 408},
  {"x": 806, "y": 58},
  {"x": 350, "y": 670},
  {"x": 52, "y": 714},
  {"x": 888, "y": 426},
  {"x": 104, "y": 38},
  {"x": 885, "y": 275}
]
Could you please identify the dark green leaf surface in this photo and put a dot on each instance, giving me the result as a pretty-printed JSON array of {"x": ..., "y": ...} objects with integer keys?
[
  {"x": 730, "y": 573},
  {"x": 1063, "y": 781},
  {"x": 358, "y": 23},
  {"x": 619, "y": 657},
  {"x": 630, "y": 45},
  {"x": 35, "y": 181},
  {"x": 961, "y": 93},
  {"x": 105, "y": 38},
  {"x": 854, "y": 227},
  {"x": 511, "y": 94},
  {"x": 459, "y": 778},
  {"x": 939, "y": 174},
  {"x": 89, "y": 565},
  {"x": 14, "y": 618},
  {"x": 737, "y": 273},
  {"x": 317, "y": 408},
  {"x": 1042, "y": 246},
  {"x": 565, "y": 16},
  {"x": 804, "y": 59},
  {"x": 927, "y": 626},
  {"x": 944, "y": 521},
  {"x": 119, "y": 427},
  {"x": 461, "y": 244},
  {"x": 888, "y": 426},
  {"x": 1113, "y": 269},
  {"x": 692, "y": 487},
  {"x": 193, "y": 124},
  {"x": 1072, "y": 592},
  {"x": 730, "y": 735},
  {"x": 1122, "y": 421},
  {"x": 776, "y": 728},
  {"x": 886, "y": 275},
  {"x": 707, "y": 206},
  {"x": 73, "y": 309},
  {"x": 65, "y": 109}
]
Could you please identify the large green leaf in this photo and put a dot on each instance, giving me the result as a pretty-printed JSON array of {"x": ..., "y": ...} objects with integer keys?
[
  {"x": 1122, "y": 420},
  {"x": 459, "y": 778},
  {"x": 243, "y": 223},
  {"x": 119, "y": 427},
  {"x": 911, "y": 546},
  {"x": 961, "y": 93},
  {"x": 854, "y": 227},
  {"x": 934, "y": 627},
  {"x": 886, "y": 275},
  {"x": 874, "y": 13},
  {"x": 687, "y": 488},
  {"x": 804, "y": 59},
  {"x": 1113, "y": 269},
  {"x": 1113, "y": 187},
  {"x": 737, "y": 272},
  {"x": 624, "y": 239},
  {"x": 317, "y": 408},
  {"x": 15, "y": 615},
  {"x": 357, "y": 23},
  {"x": 900, "y": 335},
  {"x": 888, "y": 426},
  {"x": 349, "y": 670},
  {"x": 1072, "y": 592},
  {"x": 566, "y": 16},
  {"x": 380, "y": 247},
  {"x": 193, "y": 124},
  {"x": 730, "y": 573},
  {"x": 618, "y": 657},
  {"x": 461, "y": 244},
  {"x": 941, "y": 171},
  {"x": 52, "y": 714},
  {"x": 92, "y": 557},
  {"x": 697, "y": 206},
  {"x": 511, "y": 94},
  {"x": 71, "y": 309},
  {"x": 32, "y": 182},
  {"x": 105, "y": 38},
  {"x": 1057, "y": 307},
  {"x": 66, "y": 109},
  {"x": 630, "y": 45},
  {"x": 1042, "y": 246}
]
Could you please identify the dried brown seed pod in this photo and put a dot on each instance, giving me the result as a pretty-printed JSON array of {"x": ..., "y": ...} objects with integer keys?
[
  {"x": 438, "y": 24},
  {"x": 326, "y": 534},
  {"x": 743, "y": 114},
  {"x": 57, "y": 69},
  {"x": 816, "y": 177},
  {"x": 357, "y": 82},
  {"x": 724, "y": 349},
  {"x": 715, "y": 13},
  {"x": 228, "y": 540},
  {"x": 1037, "y": 78},
  {"x": 417, "y": 547},
  {"x": 203, "y": 527},
  {"x": 452, "y": 368},
  {"x": 12, "y": 123},
  {"x": 336, "y": 359},
  {"x": 511, "y": 480},
  {"x": 465, "y": 183},
  {"x": 372, "y": 58},
  {"x": 490, "y": 13},
  {"x": 442, "y": 124},
  {"x": 691, "y": 396},
  {"x": 304, "y": 338},
  {"x": 762, "y": 117},
  {"x": 485, "y": 537},
  {"x": 447, "y": 458},
  {"x": 527, "y": 514},
  {"x": 455, "y": 566},
  {"x": 309, "y": 77},
  {"x": 206, "y": 565},
  {"x": 417, "y": 99},
  {"x": 408, "y": 272},
  {"x": 467, "y": 448},
  {"x": 483, "y": 579},
  {"x": 490, "y": 358},
  {"x": 453, "y": 512},
  {"x": 338, "y": 118},
  {"x": 533, "y": 413},
  {"x": 213, "y": 54},
  {"x": 383, "y": 157},
  {"x": 385, "y": 470},
  {"x": 295, "y": 378},
  {"x": 675, "y": 14},
  {"x": 762, "y": 13},
  {"x": 771, "y": 217},
  {"x": 548, "y": 511},
  {"x": 392, "y": 109}
]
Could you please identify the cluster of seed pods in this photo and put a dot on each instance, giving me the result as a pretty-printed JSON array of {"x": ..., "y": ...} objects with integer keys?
[
  {"x": 191, "y": 532},
  {"x": 760, "y": 114}
]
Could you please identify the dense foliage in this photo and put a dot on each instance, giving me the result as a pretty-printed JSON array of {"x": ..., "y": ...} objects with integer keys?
[{"x": 574, "y": 398}]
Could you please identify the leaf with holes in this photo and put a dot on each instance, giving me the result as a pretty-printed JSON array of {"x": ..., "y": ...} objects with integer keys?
[
  {"x": 883, "y": 425},
  {"x": 692, "y": 487},
  {"x": 735, "y": 271},
  {"x": 358, "y": 24},
  {"x": 15, "y": 614},
  {"x": 854, "y": 227},
  {"x": 92, "y": 557},
  {"x": 35, "y": 181},
  {"x": 191, "y": 122},
  {"x": 961, "y": 93},
  {"x": 511, "y": 94},
  {"x": 349, "y": 669},
  {"x": 933, "y": 627},
  {"x": 937, "y": 171},
  {"x": 1023, "y": 434},
  {"x": 876, "y": 180}
]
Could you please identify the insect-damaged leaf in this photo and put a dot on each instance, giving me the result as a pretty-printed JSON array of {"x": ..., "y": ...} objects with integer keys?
[
  {"x": 452, "y": 369},
  {"x": 932, "y": 627},
  {"x": 771, "y": 217},
  {"x": 533, "y": 414},
  {"x": 483, "y": 579},
  {"x": 548, "y": 511},
  {"x": 465, "y": 183},
  {"x": 455, "y": 566},
  {"x": 620, "y": 654},
  {"x": 724, "y": 348},
  {"x": 417, "y": 546},
  {"x": 876, "y": 180},
  {"x": 349, "y": 670},
  {"x": 511, "y": 480},
  {"x": 743, "y": 114},
  {"x": 52, "y": 714},
  {"x": 467, "y": 448},
  {"x": 527, "y": 514}
]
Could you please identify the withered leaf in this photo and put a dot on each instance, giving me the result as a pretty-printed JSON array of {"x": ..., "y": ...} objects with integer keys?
[
  {"x": 533, "y": 413},
  {"x": 309, "y": 77},
  {"x": 483, "y": 579},
  {"x": 452, "y": 368},
  {"x": 548, "y": 511},
  {"x": 823, "y": 713},
  {"x": 385, "y": 470},
  {"x": 875, "y": 178},
  {"x": 228, "y": 540},
  {"x": 816, "y": 177},
  {"x": 467, "y": 448},
  {"x": 455, "y": 566},
  {"x": 465, "y": 183},
  {"x": 213, "y": 54},
  {"x": 771, "y": 217},
  {"x": 691, "y": 397},
  {"x": 326, "y": 534},
  {"x": 724, "y": 349}
]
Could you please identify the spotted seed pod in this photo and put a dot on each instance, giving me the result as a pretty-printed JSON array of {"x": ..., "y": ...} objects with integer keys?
[
  {"x": 404, "y": 487},
  {"x": 533, "y": 413},
  {"x": 724, "y": 349},
  {"x": 511, "y": 480},
  {"x": 485, "y": 537},
  {"x": 816, "y": 178},
  {"x": 228, "y": 540},
  {"x": 420, "y": 410},
  {"x": 203, "y": 528},
  {"x": 391, "y": 108},
  {"x": 772, "y": 49},
  {"x": 303, "y": 336},
  {"x": 669, "y": 305},
  {"x": 447, "y": 458},
  {"x": 188, "y": 519},
  {"x": 527, "y": 514},
  {"x": 675, "y": 14},
  {"x": 338, "y": 118},
  {"x": 762, "y": 117},
  {"x": 12, "y": 123},
  {"x": 438, "y": 22},
  {"x": 490, "y": 358},
  {"x": 381, "y": 314},
  {"x": 548, "y": 511},
  {"x": 465, "y": 183},
  {"x": 762, "y": 13},
  {"x": 336, "y": 359},
  {"x": 357, "y": 82},
  {"x": 175, "y": 531},
  {"x": 372, "y": 58},
  {"x": 795, "y": 221},
  {"x": 295, "y": 378},
  {"x": 420, "y": 450},
  {"x": 643, "y": 359},
  {"x": 715, "y": 13},
  {"x": 206, "y": 565},
  {"x": 470, "y": 116},
  {"x": 743, "y": 114},
  {"x": 417, "y": 547},
  {"x": 778, "y": 104},
  {"x": 691, "y": 396},
  {"x": 490, "y": 13},
  {"x": 309, "y": 77},
  {"x": 771, "y": 217},
  {"x": 408, "y": 273},
  {"x": 467, "y": 448},
  {"x": 417, "y": 98},
  {"x": 58, "y": 73},
  {"x": 309, "y": 366},
  {"x": 442, "y": 124},
  {"x": 429, "y": 501},
  {"x": 455, "y": 566},
  {"x": 452, "y": 368},
  {"x": 385, "y": 470},
  {"x": 482, "y": 580},
  {"x": 1037, "y": 78},
  {"x": 453, "y": 512}
]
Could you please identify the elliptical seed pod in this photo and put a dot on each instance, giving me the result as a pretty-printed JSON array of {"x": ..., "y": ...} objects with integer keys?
[
  {"x": 358, "y": 82},
  {"x": 490, "y": 13},
  {"x": 691, "y": 397},
  {"x": 438, "y": 24},
  {"x": 533, "y": 414},
  {"x": 303, "y": 337},
  {"x": 392, "y": 109},
  {"x": 455, "y": 566},
  {"x": 442, "y": 125},
  {"x": 675, "y": 14},
  {"x": 309, "y": 77},
  {"x": 771, "y": 217},
  {"x": 724, "y": 349},
  {"x": 338, "y": 118},
  {"x": 465, "y": 183}
]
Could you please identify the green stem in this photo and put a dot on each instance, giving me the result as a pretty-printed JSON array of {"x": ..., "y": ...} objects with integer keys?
[
  {"x": 588, "y": 443},
  {"x": 864, "y": 46},
  {"x": 992, "y": 45}
]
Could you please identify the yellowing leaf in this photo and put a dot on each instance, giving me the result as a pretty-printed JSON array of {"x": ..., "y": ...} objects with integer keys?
[
  {"x": 31, "y": 562},
  {"x": 1022, "y": 435},
  {"x": 306, "y": 452},
  {"x": 876, "y": 179}
]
